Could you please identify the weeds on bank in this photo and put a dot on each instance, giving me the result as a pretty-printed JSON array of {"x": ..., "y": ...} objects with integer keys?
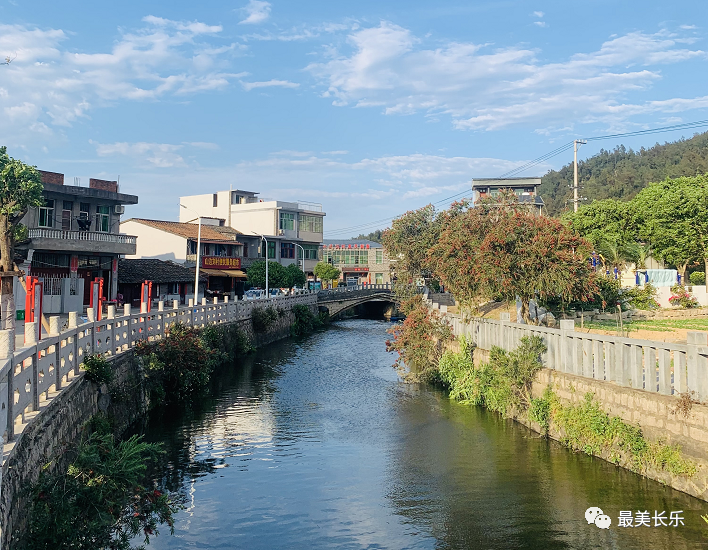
[
  {"x": 306, "y": 322},
  {"x": 504, "y": 383}
]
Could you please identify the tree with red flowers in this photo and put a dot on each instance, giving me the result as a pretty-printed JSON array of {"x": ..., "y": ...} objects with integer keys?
[{"x": 503, "y": 250}]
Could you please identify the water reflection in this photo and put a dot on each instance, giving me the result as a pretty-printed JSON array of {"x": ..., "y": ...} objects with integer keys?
[{"x": 317, "y": 445}]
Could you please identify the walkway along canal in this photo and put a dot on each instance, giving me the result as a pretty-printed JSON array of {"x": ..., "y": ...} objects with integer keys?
[{"x": 317, "y": 444}]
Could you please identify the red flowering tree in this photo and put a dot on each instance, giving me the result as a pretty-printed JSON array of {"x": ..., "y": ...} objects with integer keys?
[
  {"x": 409, "y": 239},
  {"x": 503, "y": 250}
]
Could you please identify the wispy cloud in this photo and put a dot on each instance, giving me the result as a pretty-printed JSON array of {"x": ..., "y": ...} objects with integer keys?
[
  {"x": 158, "y": 155},
  {"x": 48, "y": 85},
  {"x": 248, "y": 86},
  {"x": 541, "y": 24},
  {"x": 538, "y": 14},
  {"x": 481, "y": 87},
  {"x": 256, "y": 12}
]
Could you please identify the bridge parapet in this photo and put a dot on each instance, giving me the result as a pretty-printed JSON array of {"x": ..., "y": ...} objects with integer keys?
[{"x": 352, "y": 292}]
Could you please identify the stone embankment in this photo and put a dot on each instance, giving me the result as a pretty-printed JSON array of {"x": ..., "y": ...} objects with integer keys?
[
  {"x": 646, "y": 383},
  {"x": 50, "y": 400}
]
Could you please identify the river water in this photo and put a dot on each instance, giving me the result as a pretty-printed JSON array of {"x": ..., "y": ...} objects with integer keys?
[{"x": 317, "y": 444}]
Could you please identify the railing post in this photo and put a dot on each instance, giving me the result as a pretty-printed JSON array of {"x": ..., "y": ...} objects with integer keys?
[
  {"x": 567, "y": 327},
  {"x": 504, "y": 320},
  {"x": 697, "y": 364},
  {"x": 54, "y": 330},
  {"x": 74, "y": 325},
  {"x": 128, "y": 320},
  {"x": 7, "y": 346}
]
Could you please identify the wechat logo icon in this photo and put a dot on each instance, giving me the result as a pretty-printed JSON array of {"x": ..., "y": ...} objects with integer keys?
[{"x": 596, "y": 516}]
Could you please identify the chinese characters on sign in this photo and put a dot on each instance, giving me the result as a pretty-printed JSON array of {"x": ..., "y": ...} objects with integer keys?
[
  {"x": 644, "y": 519},
  {"x": 221, "y": 262}
]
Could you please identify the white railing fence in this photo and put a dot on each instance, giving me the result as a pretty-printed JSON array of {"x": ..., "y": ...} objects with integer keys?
[
  {"x": 47, "y": 233},
  {"x": 32, "y": 375},
  {"x": 649, "y": 365}
]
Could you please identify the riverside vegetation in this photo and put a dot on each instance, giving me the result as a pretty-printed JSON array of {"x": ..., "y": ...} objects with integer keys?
[
  {"x": 103, "y": 499},
  {"x": 503, "y": 385}
]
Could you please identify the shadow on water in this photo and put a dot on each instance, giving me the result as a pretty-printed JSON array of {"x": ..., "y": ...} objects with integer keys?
[{"x": 317, "y": 444}]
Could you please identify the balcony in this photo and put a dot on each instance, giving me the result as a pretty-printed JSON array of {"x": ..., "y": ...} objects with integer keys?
[{"x": 82, "y": 241}]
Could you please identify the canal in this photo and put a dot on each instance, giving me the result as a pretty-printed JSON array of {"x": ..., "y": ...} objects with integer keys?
[{"x": 318, "y": 445}]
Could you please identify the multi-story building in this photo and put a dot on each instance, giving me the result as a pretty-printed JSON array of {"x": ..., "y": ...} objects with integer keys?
[
  {"x": 526, "y": 189},
  {"x": 222, "y": 255},
  {"x": 361, "y": 259},
  {"x": 293, "y": 229},
  {"x": 75, "y": 237}
]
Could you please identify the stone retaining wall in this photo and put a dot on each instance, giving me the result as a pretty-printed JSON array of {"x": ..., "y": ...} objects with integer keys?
[{"x": 58, "y": 423}]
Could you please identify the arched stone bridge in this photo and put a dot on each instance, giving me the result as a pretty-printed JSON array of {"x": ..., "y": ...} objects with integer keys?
[{"x": 338, "y": 299}]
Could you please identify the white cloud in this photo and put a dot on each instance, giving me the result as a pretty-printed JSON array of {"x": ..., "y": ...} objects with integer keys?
[
  {"x": 49, "y": 85},
  {"x": 538, "y": 14},
  {"x": 256, "y": 11},
  {"x": 541, "y": 24},
  {"x": 302, "y": 33},
  {"x": 482, "y": 87},
  {"x": 248, "y": 86},
  {"x": 158, "y": 155}
]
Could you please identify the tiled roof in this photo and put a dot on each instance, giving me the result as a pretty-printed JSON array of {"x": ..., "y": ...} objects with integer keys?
[
  {"x": 340, "y": 242},
  {"x": 210, "y": 233},
  {"x": 158, "y": 271}
]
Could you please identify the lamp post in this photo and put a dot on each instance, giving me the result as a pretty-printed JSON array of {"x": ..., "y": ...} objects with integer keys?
[
  {"x": 199, "y": 251},
  {"x": 266, "y": 260},
  {"x": 303, "y": 259}
]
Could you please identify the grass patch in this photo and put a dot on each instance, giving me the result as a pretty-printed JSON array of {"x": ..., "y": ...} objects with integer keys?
[{"x": 503, "y": 385}]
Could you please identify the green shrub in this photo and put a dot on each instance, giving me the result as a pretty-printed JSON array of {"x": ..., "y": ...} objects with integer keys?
[
  {"x": 698, "y": 278},
  {"x": 99, "y": 501},
  {"x": 305, "y": 321},
  {"x": 97, "y": 369},
  {"x": 641, "y": 297},
  {"x": 541, "y": 409},
  {"x": 263, "y": 318},
  {"x": 179, "y": 366}
]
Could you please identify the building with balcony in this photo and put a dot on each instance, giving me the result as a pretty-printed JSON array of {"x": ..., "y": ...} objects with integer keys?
[
  {"x": 526, "y": 190},
  {"x": 223, "y": 251},
  {"x": 75, "y": 235},
  {"x": 293, "y": 229},
  {"x": 364, "y": 260}
]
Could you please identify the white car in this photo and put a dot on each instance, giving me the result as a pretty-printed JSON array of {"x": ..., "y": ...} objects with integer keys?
[{"x": 254, "y": 294}]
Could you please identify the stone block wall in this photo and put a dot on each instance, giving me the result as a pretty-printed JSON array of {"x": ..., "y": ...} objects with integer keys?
[{"x": 58, "y": 423}]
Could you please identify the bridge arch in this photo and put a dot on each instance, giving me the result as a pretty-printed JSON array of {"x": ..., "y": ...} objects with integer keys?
[{"x": 338, "y": 301}]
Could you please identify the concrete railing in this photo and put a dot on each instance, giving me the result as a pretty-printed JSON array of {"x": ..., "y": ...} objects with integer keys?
[
  {"x": 649, "y": 365},
  {"x": 356, "y": 288},
  {"x": 81, "y": 236},
  {"x": 36, "y": 373}
]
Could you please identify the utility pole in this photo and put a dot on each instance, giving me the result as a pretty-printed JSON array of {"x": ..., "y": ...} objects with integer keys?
[{"x": 575, "y": 172}]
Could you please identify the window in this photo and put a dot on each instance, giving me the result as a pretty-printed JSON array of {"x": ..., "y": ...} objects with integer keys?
[
  {"x": 287, "y": 250},
  {"x": 66, "y": 212},
  {"x": 379, "y": 256},
  {"x": 215, "y": 200},
  {"x": 172, "y": 288},
  {"x": 271, "y": 250},
  {"x": 103, "y": 218},
  {"x": 235, "y": 198},
  {"x": 312, "y": 252},
  {"x": 287, "y": 221},
  {"x": 45, "y": 259},
  {"x": 84, "y": 221},
  {"x": 378, "y": 278},
  {"x": 313, "y": 224},
  {"x": 46, "y": 214},
  {"x": 245, "y": 250},
  {"x": 347, "y": 256}
]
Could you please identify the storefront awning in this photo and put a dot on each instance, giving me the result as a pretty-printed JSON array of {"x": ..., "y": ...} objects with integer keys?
[{"x": 236, "y": 273}]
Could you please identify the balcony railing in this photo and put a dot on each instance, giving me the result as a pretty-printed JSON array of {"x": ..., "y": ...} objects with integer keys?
[{"x": 59, "y": 234}]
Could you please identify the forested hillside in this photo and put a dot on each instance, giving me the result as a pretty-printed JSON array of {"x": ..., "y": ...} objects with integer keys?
[{"x": 622, "y": 173}]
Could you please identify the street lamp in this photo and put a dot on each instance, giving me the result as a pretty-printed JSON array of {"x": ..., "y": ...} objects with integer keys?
[
  {"x": 199, "y": 251},
  {"x": 303, "y": 258},
  {"x": 266, "y": 260}
]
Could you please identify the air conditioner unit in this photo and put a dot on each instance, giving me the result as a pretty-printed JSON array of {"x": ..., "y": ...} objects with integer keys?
[
  {"x": 119, "y": 209},
  {"x": 281, "y": 232}
]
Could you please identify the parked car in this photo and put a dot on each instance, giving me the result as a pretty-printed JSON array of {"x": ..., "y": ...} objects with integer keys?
[{"x": 254, "y": 294}]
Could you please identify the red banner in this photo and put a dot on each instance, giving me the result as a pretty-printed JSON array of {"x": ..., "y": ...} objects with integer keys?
[{"x": 220, "y": 262}]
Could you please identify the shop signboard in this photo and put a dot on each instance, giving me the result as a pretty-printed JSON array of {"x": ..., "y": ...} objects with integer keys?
[{"x": 220, "y": 262}]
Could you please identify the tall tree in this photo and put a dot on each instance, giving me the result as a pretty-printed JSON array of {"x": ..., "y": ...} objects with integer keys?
[
  {"x": 325, "y": 271},
  {"x": 673, "y": 216},
  {"x": 296, "y": 277},
  {"x": 278, "y": 276},
  {"x": 409, "y": 239},
  {"x": 505, "y": 251},
  {"x": 607, "y": 221},
  {"x": 20, "y": 189}
]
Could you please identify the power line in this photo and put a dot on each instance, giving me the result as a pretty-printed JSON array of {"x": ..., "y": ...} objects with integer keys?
[{"x": 542, "y": 158}]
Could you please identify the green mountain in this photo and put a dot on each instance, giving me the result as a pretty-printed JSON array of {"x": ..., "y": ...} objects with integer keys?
[{"x": 622, "y": 173}]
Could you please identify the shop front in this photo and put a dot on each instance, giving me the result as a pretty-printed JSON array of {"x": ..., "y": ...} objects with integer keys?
[{"x": 225, "y": 276}]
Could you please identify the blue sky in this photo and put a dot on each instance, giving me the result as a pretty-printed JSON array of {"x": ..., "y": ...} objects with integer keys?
[{"x": 371, "y": 108}]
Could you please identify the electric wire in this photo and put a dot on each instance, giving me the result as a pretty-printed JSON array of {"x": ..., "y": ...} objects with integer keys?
[{"x": 530, "y": 164}]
